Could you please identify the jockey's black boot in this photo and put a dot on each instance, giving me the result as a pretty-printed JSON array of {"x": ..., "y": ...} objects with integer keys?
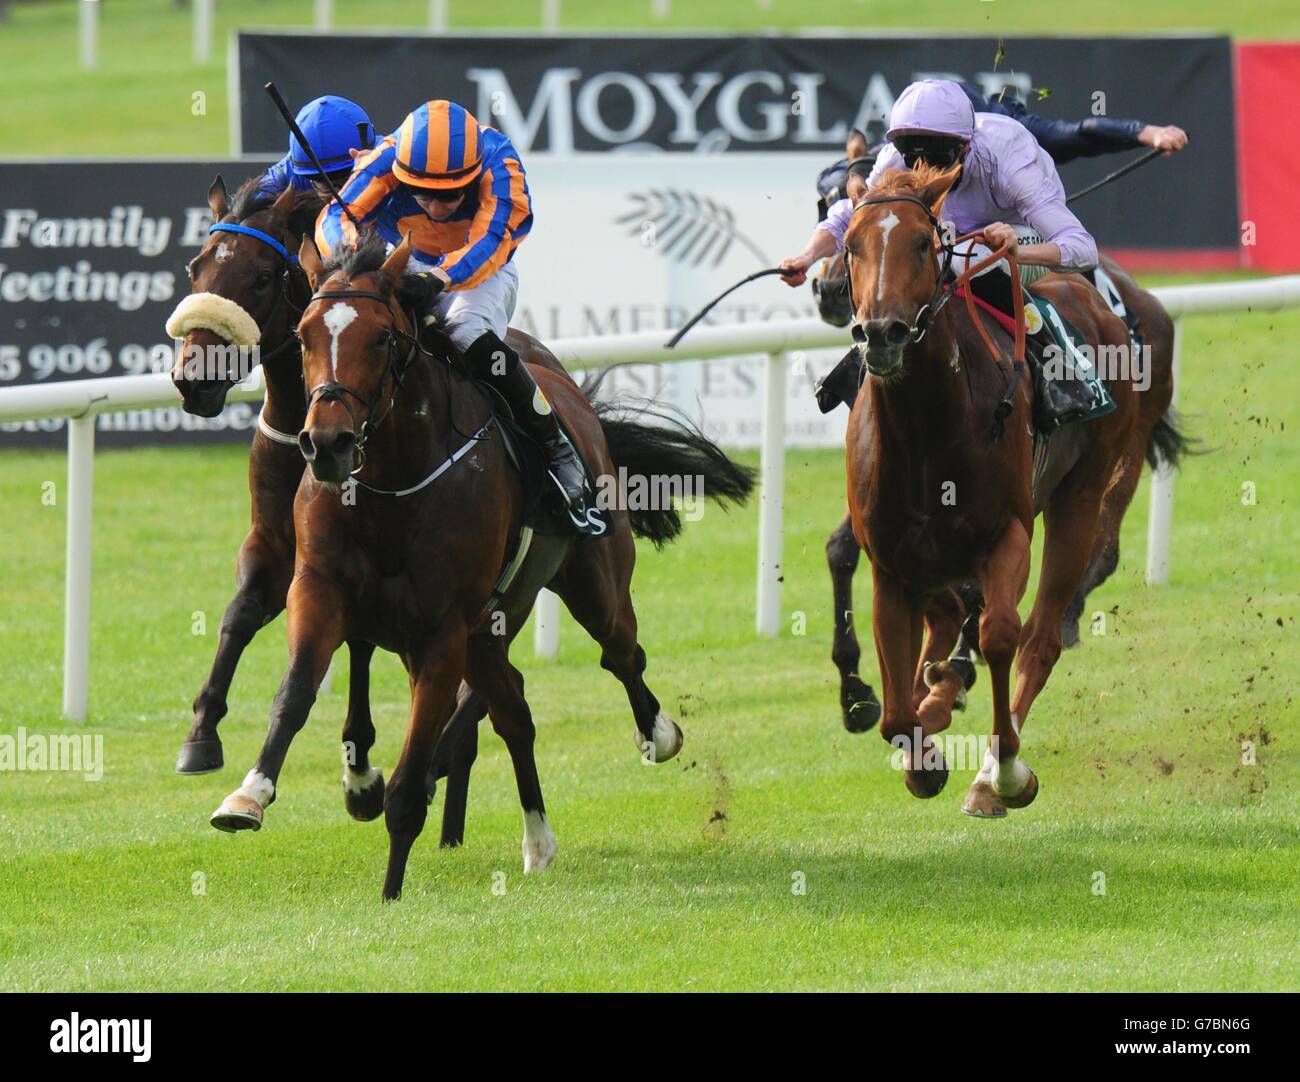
[
  {"x": 494, "y": 362},
  {"x": 840, "y": 385},
  {"x": 1063, "y": 393}
]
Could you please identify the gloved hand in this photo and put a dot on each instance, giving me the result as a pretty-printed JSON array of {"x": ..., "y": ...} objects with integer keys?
[{"x": 432, "y": 282}]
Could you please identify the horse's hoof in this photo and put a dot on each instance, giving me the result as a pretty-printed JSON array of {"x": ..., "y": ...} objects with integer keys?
[
  {"x": 363, "y": 794},
  {"x": 237, "y": 812},
  {"x": 1026, "y": 795},
  {"x": 982, "y": 802},
  {"x": 666, "y": 741},
  {"x": 927, "y": 783},
  {"x": 1069, "y": 634},
  {"x": 965, "y": 668},
  {"x": 200, "y": 757},
  {"x": 861, "y": 708}
]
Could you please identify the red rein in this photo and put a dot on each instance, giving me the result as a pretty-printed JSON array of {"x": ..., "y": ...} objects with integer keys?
[{"x": 961, "y": 287}]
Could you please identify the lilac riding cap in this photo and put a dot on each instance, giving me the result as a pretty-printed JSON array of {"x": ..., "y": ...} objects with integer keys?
[{"x": 1007, "y": 176}]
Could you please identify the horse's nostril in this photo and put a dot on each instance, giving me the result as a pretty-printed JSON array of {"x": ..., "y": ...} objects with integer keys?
[
  {"x": 898, "y": 333},
  {"x": 306, "y": 446},
  {"x": 859, "y": 333},
  {"x": 344, "y": 442}
]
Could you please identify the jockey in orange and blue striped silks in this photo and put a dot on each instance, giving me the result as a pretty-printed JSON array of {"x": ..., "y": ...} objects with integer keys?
[{"x": 459, "y": 189}]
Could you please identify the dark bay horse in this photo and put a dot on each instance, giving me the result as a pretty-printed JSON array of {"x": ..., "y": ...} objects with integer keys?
[
  {"x": 408, "y": 556},
  {"x": 248, "y": 290},
  {"x": 940, "y": 493},
  {"x": 954, "y": 617}
]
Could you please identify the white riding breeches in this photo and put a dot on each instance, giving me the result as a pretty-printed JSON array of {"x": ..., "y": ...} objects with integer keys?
[{"x": 468, "y": 314}]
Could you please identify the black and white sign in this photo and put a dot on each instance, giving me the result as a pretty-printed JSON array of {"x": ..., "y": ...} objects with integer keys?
[{"x": 744, "y": 95}]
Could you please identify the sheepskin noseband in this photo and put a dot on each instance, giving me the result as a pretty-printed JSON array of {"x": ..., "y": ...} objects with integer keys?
[{"x": 220, "y": 315}]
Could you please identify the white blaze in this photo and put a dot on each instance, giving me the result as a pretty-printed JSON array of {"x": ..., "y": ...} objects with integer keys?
[
  {"x": 886, "y": 227},
  {"x": 338, "y": 317}
]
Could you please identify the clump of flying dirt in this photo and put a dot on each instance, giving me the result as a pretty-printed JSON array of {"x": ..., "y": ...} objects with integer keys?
[{"x": 716, "y": 827}]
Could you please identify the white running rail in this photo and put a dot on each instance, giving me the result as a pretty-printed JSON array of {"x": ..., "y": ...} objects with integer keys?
[{"x": 80, "y": 401}]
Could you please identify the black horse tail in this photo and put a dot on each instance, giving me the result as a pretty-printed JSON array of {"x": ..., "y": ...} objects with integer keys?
[
  {"x": 1168, "y": 444},
  {"x": 659, "y": 442}
]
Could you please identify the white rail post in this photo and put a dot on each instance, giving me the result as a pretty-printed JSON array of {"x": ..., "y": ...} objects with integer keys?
[
  {"x": 202, "y": 31},
  {"x": 1160, "y": 519},
  {"x": 551, "y": 15},
  {"x": 89, "y": 34},
  {"x": 324, "y": 18},
  {"x": 437, "y": 14},
  {"x": 546, "y": 630},
  {"x": 771, "y": 505},
  {"x": 76, "y": 602}
]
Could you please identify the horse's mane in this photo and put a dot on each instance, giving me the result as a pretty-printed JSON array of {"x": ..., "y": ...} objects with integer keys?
[
  {"x": 368, "y": 258},
  {"x": 250, "y": 198},
  {"x": 911, "y": 181}
]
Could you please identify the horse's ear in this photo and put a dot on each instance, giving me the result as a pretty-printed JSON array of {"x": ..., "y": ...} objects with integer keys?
[
  {"x": 218, "y": 202},
  {"x": 936, "y": 187},
  {"x": 310, "y": 261},
  {"x": 285, "y": 202},
  {"x": 395, "y": 265}
]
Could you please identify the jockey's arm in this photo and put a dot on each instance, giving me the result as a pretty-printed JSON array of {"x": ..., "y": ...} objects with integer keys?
[
  {"x": 824, "y": 243},
  {"x": 503, "y": 219},
  {"x": 277, "y": 177},
  {"x": 365, "y": 193},
  {"x": 1029, "y": 181}
]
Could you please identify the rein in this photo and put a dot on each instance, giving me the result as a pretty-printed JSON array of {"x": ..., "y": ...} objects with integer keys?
[
  {"x": 944, "y": 291},
  {"x": 291, "y": 261}
]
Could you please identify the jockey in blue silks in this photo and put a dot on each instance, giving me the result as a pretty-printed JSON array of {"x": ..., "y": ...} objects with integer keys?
[{"x": 335, "y": 128}]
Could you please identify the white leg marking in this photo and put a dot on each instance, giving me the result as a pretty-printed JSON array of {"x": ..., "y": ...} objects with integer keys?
[
  {"x": 1010, "y": 777},
  {"x": 886, "y": 227},
  {"x": 340, "y": 314},
  {"x": 539, "y": 842},
  {"x": 665, "y": 742},
  {"x": 258, "y": 787},
  {"x": 358, "y": 781}
]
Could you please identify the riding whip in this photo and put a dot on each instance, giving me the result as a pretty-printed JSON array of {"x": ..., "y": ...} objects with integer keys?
[
  {"x": 302, "y": 139},
  {"x": 1152, "y": 153},
  {"x": 713, "y": 303}
]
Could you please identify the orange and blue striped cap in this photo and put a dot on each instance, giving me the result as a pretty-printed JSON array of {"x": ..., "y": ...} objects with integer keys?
[{"x": 438, "y": 146}]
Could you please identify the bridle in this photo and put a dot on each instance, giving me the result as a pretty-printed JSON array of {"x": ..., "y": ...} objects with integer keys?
[
  {"x": 332, "y": 390},
  {"x": 946, "y": 288},
  {"x": 290, "y": 261}
]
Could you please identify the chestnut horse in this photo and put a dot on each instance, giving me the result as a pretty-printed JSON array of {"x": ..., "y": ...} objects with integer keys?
[
  {"x": 408, "y": 557},
  {"x": 942, "y": 487},
  {"x": 955, "y": 617}
]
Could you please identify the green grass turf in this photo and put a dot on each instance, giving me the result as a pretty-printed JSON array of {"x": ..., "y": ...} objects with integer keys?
[
  {"x": 680, "y": 876},
  {"x": 139, "y": 100}
]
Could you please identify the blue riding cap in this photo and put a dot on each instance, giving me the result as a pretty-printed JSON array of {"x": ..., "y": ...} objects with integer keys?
[{"x": 333, "y": 126}]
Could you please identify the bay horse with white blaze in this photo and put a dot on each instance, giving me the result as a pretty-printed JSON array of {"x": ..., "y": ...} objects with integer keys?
[
  {"x": 942, "y": 485},
  {"x": 408, "y": 557},
  {"x": 247, "y": 290}
]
